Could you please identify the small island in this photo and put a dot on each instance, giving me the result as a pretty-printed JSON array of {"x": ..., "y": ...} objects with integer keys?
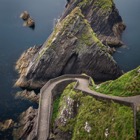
[{"x": 28, "y": 21}]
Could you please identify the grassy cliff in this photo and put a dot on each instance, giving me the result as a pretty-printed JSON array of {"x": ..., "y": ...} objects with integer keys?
[
  {"x": 90, "y": 119},
  {"x": 126, "y": 85},
  {"x": 85, "y": 118}
]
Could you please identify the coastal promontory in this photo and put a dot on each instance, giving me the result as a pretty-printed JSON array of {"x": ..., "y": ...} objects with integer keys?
[{"x": 80, "y": 43}]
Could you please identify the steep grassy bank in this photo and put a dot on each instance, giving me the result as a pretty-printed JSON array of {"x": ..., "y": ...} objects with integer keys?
[
  {"x": 85, "y": 118},
  {"x": 126, "y": 85}
]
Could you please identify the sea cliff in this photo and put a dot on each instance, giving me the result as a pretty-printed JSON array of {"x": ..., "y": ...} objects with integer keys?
[{"x": 79, "y": 43}]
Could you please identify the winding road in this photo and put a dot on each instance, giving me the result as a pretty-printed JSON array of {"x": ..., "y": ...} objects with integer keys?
[{"x": 55, "y": 87}]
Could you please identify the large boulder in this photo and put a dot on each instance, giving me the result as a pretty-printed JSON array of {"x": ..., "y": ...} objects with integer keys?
[
  {"x": 8, "y": 124},
  {"x": 28, "y": 95},
  {"x": 26, "y": 126},
  {"x": 25, "y": 15}
]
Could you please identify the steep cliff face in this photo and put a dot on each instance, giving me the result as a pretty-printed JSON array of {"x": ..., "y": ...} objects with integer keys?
[
  {"x": 28, "y": 95},
  {"x": 103, "y": 17},
  {"x": 73, "y": 47},
  {"x": 26, "y": 127},
  {"x": 8, "y": 124},
  {"x": 6, "y": 128}
]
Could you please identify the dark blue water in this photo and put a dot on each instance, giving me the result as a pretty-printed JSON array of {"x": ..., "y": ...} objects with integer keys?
[
  {"x": 129, "y": 57},
  {"x": 14, "y": 39}
]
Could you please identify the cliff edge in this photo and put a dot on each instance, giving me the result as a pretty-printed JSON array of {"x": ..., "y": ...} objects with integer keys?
[{"x": 78, "y": 44}]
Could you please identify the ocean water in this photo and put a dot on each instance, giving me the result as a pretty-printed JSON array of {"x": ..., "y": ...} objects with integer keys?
[
  {"x": 128, "y": 56},
  {"x": 14, "y": 39}
]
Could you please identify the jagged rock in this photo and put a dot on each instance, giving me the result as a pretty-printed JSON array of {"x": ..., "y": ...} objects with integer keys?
[
  {"x": 67, "y": 112},
  {"x": 26, "y": 125},
  {"x": 28, "y": 95},
  {"x": 6, "y": 125},
  {"x": 25, "y": 15},
  {"x": 73, "y": 47},
  {"x": 25, "y": 59},
  {"x": 138, "y": 70},
  {"x": 29, "y": 22},
  {"x": 103, "y": 17},
  {"x": 68, "y": 1},
  {"x": 111, "y": 50}
]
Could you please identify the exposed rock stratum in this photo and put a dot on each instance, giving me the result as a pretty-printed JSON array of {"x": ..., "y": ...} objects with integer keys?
[{"x": 77, "y": 45}]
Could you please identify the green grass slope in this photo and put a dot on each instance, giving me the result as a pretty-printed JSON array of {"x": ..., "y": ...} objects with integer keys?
[
  {"x": 127, "y": 85},
  {"x": 101, "y": 117}
]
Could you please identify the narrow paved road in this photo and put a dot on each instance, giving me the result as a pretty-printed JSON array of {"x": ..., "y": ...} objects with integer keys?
[{"x": 51, "y": 87}]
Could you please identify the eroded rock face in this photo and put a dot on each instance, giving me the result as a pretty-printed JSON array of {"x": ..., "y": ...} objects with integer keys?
[
  {"x": 28, "y": 20},
  {"x": 24, "y": 62},
  {"x": 6, "y": 128},
  {"x": 74, "y": 47},
  {"x": 103, "y": 17},
  {"x": 26, "y": 128},
  {"x": 28, "y": 95},
  {"x": 25, "y": 15},
  {"x": 6, "y": 125}
]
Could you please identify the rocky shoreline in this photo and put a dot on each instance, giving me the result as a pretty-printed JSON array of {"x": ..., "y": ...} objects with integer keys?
[
  {"x": 28, "y": 95},
  {"x": 26, "y": 125},
  {"x": 103, "y": 17}
]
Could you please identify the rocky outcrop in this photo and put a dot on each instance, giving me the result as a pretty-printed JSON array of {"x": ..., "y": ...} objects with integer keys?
[
  {"x": 103, "y": 17},
  {"x": 24, "y": 15},
  {"x": 73, "y": 47},
  {"x": 6, "y": 125},
  {"x": 28, "y": 95},
  {"x": 24, "y": 61},
  {"x": 28, "y": 20},
  {"x": 26, "y": 127}
]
